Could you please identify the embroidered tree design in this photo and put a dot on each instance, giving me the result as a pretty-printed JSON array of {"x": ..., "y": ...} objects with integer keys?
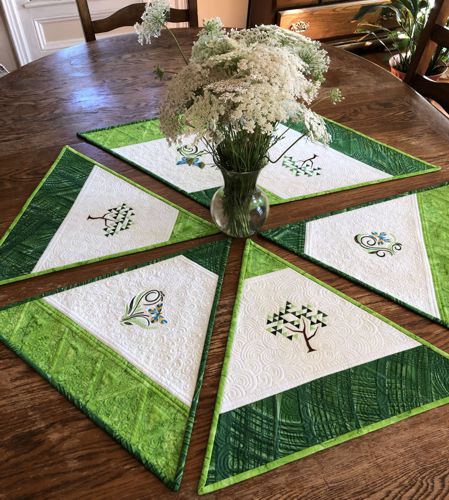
[
  {"x": 116, "y": 219},
  {"x": 291, "y": 321},
  {"x": 305, "y": 167}
]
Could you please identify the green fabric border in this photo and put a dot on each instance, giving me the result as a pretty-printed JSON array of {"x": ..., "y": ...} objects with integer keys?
[
  {"x": 28, "y": 237},
  {"x": 80, "y": 337},
  {"x": 435, "y": 227},
  {"x": 176, "y": 237},
  {"x": 202, "y": 487},
  {"x": 326, "y": 408},
  {"x": 296, "y": 243},
  {"x": 202, "y": 254},
  {"x": 341, "y": 135}
]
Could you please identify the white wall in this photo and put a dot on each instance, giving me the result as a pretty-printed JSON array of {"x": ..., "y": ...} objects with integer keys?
[
  {"x": 232, "y": 12},
  {"x": 7, "y": 57},
  {"x": 40, "y": 27}
]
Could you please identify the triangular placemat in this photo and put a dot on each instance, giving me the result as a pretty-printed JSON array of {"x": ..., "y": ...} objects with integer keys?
[
  {"x": 306, "y": 170},
  {"x": 129, "y": 349},
  {"x": 84, "y": 212},
  {"x": 395, "y": 246},
  {"x": 307, "y": 368}
]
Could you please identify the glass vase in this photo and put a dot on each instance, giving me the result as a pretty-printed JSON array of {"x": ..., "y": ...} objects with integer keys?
[{"x": 239, "y": 208}]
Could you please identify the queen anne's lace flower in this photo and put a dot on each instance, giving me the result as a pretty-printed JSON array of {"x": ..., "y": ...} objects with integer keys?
[
  {"x": 153, "y": 20},
  {"x": 246, "y": 80}
]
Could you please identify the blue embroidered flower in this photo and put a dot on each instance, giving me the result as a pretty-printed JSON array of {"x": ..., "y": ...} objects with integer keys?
[
  {"x": 191, "y": 161},
  {"x": 378, "y": 243},
  {"x": 156, "y": 315},
  {"x": 382, "y": 237},
  {"x": 191, "y": 156}
]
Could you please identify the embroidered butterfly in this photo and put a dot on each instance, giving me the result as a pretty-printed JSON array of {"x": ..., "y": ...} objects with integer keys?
[{"x": 145, "y": 310}]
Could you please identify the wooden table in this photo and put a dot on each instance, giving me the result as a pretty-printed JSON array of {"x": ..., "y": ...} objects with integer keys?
[{"x": 48, "y": 448}]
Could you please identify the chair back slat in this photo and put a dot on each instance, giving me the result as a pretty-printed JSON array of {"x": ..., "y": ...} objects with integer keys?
[
  {"x": 128, "y": 16},
  {"x": 86, "y": 20},
  {"x": 440, "y": 36},
  {"x": 435, "y": 34},
  {"x": 179, "y": 16},
  {"x": 438, "y": 91}
]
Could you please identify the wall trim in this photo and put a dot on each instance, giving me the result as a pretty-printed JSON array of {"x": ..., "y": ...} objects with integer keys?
[{"x": 16, "y": 32}]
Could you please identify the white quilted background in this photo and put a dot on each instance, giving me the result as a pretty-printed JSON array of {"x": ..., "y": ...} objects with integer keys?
[
  {"x": 405, "y": 275},
  {"x": 263, "y": 364},
  {"x": 78, "y": 238},
  {"x": 169, "y": 354}
]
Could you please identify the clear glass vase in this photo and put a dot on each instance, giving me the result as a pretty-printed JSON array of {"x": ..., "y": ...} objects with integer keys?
[{"x": 239, "y": 208}]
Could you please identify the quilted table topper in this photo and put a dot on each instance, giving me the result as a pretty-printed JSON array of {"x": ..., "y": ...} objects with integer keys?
[
  {"x": 129, "y": 349},
  {"x": 307, "y": 368},
  {"x": 307, "y": 169},
  {"x": 83, "y": 212},
  {"x": 396, "y": 247}
]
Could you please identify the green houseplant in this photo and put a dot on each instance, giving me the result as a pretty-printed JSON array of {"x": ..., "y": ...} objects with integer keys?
[{"x": 398, "y": 29}]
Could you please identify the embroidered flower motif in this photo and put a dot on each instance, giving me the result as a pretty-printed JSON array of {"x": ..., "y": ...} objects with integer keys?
[
  {"x": 381, "y": 237},
  {"x": 145, "y": 310},
  {"x": 191, "y": 155},
  {"x": 378, "y": 243}
]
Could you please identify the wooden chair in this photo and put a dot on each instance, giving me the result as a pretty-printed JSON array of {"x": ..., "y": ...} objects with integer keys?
[
  {"x": 128, "y": 16},
  {"x": 434, "y": 35}
]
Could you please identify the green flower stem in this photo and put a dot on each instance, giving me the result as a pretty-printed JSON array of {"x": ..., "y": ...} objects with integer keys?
[
  {"x": 177, "y": 44},
  {"x": 237, "y": 196}
]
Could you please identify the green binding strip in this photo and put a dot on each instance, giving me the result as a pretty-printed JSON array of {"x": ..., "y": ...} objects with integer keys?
[
  {"x": 249, "y": 270},
  {"x": 344, "y": 139},
  {"x": 292, "y": 237},
  {"x": 26, "y": 239},
  {"x": 75, "y": 362}
]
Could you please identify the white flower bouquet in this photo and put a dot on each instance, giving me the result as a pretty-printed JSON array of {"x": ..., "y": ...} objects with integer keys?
[{"x": 230, "y": 96}]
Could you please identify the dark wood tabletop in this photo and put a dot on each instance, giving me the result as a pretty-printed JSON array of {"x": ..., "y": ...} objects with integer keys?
[{"x": 48, "y": 448}]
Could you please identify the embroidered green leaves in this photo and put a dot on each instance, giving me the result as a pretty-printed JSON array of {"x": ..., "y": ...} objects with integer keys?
[
  {"x": 378, "y": 243},
  {"x": 145, "y": 310},
  {"x": 304, "y": 167},
  {"x": 290, "y": 321},
  {"x": 116, "y": 219}
]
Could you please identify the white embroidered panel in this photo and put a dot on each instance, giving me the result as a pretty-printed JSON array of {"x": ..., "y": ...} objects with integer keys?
[
  {"x": 405, "y": 275},
  {"x": 336, "y": 170},
  {"x": 161, "y": 159},
  {"x": 82, "y": 235},
  {"x": 263, "y": 364},
  {"x": 169, "y": 354}
]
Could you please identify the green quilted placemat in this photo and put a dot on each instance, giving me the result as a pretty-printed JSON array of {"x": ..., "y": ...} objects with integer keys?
[
  {"x": 307, "y": 368},
  {"x": 395, "y": 246},
  {"x": 129, "y": 349},
  {"x": 306, "y": 170},
  {"x": 83, "y": 212}
]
